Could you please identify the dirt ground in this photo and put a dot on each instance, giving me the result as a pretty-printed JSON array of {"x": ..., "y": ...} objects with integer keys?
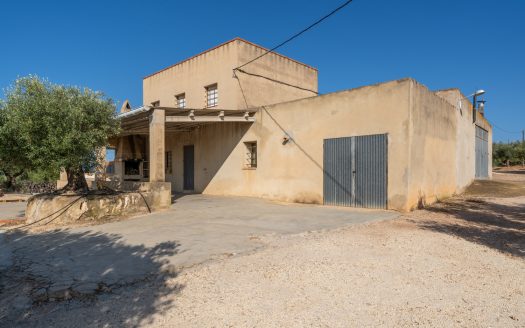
[{"x": 458, "y": 263}]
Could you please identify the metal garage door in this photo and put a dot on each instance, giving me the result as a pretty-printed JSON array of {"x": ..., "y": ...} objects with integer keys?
[
  {"x": 482, "y": 153},
  {"x": 355, "y": 171}
]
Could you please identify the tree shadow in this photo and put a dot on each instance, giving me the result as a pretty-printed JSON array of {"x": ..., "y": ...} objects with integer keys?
[
  {"x": 510, "y": 171},
  {"x": 498, "y": 226},
  {"x": 93, "y": 276}
]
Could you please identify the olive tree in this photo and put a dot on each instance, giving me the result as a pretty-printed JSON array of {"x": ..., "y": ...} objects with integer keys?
[
  {"x": 13, "y": 149},
  {"x": 55, "y": 127}
]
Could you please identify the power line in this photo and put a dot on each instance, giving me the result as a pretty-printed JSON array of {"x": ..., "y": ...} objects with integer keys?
[
  {"x": 297, "y": 34},
  {"x": 505, "y": 131},
  {"x": 276, "y": 81}
]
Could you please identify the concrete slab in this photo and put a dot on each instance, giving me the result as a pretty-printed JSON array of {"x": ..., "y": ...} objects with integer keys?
[
  {"x": 14, "y": 197},
  {"x": 12, "y": 210},
  {"x": 5, "y": 253},
  {"x": 197, "y": 228}
]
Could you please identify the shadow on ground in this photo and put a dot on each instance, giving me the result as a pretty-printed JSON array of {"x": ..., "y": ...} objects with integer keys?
[
  {"x": 495, "y": 188},
  {"x": 498, "y": 226},
  {"x": 125, "y": 283}
]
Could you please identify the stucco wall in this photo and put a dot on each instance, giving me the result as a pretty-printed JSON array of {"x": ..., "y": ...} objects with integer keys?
[
  {"x": 442, "y": 160},
  {"x": 433, "y": 156},
  {"x": 259, "y": 79},
  {"x": 213, "y": 144},
  {"x": 466, "y": 134},
  {"x": 431, "y": 145},
  {"x": 216, "y": 66},
  {"x": 192, "y": 76},
  {"x": 294, "y": 172}
]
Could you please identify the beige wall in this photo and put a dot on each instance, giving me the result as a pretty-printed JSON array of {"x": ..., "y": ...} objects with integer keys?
[
  {"x": 293, "y": 172},
  {"x": 216, "y": 66},
  {"x": 430, "y": 146},
  {"x": 298, "y": 80},
  {"x": 433, "y": 156},
  {"x": 213, "y": 144},
  {"x": 466, "y": 133}
]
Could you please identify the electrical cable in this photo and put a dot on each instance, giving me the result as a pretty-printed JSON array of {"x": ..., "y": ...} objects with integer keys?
[
  {"x": 274, "y": 80},
  {"x": 297, "y": 34},
  {"x": 505, "y": 131}
]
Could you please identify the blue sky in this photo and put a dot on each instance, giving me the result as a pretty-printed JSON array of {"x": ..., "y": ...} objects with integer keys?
[{"x": 111, "y": 45}]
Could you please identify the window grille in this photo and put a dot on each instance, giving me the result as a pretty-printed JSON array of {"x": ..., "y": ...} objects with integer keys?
[
  {"x": 251, "y": 154},
  {"x": 169, "y": 163},
  {"x": 181, "y": 100},
  {"x": 212, "y": 95}
]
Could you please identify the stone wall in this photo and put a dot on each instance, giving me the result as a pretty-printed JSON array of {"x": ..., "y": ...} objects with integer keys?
[{"x": 142, "y": 198}]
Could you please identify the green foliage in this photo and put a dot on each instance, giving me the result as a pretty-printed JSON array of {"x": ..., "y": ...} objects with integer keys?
[
  {"x": 45, "y": 127},
  {"x": 41, "y": 176},
  {"x": 508, "y": 153}
]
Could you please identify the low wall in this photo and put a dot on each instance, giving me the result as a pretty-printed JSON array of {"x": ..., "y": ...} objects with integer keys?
[
  {"x": 132, "y": 198},
  {"x": 157, "y": 193},
  {"x": 63, "y": 209}
]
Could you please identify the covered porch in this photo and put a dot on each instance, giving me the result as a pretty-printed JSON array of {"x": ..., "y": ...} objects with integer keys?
[{"x": 144, "y": 151}]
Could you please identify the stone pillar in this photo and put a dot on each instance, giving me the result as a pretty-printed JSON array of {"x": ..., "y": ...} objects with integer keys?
[
  {"x": 62, "y": 182},
  {"x": 157, "y": 122}
]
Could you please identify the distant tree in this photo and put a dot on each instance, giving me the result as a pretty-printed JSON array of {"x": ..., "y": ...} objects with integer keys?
[
  {"x": 55, "y": 127},
  {"x": 508, "y": 153}
]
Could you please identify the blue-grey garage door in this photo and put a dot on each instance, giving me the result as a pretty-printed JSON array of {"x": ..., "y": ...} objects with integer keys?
[
  {"x": 355, "y": 171},
  {"x": 482, "y": 153}
]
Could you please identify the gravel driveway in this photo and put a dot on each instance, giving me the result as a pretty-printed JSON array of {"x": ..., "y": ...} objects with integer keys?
[{"x": 459, "y": 263}]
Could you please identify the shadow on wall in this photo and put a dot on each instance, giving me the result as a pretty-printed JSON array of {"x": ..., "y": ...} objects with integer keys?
[
  {"x": 501, "y": 227},
  {"x": 326, "y": 175},
  {"x": 94, "y": 278},
  {"x": 220, "y": 149}
]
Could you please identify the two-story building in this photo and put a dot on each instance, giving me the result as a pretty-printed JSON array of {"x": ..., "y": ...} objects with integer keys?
[{"x": 262, "y": 130}]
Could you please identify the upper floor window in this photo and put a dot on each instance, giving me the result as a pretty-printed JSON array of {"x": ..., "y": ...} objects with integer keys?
[
  {"x": 212, "y": 95},
  {"x": 155, "y": 103},
  {"x": 181, "y": 100}
]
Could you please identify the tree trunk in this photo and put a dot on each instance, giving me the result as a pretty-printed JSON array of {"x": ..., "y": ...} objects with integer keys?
[
  {"x": 76, "y": 180},
  {"x": 11, "y": 180}
]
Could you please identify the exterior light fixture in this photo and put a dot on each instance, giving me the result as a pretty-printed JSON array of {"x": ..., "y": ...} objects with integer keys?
[
  {"x": 474, "y": 96},
  {"x": 479, "y": 93},
  {"x": 481, "y": 107}
]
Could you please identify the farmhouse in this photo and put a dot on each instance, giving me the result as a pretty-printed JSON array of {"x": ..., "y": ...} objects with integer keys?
[{"x": 212, "y": 125}]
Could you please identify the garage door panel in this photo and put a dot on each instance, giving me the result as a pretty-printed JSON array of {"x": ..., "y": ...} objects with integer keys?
[
  {"x": 371, "y": 171},
  {"x": 355, "y": 171},
  {"x": 337, "y": 172},
  {"x": 482, "y": 153}
]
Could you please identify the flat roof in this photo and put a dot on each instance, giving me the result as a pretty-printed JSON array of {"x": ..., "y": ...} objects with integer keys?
[{"x": 223, "y": 44}]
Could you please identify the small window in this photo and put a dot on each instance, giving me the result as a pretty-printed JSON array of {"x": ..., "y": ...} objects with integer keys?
[
  {"x": 212, "y": 95},
  {"x": 168, "y": 162},
  {"x": 155, "y": 103},
  {"x": 145, "y": 169},
  {"x": 181, "y": 100},
  {"x": 251, "y": 154}
]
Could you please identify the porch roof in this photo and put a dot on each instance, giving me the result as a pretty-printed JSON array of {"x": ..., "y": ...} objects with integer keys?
[{"x": 181, "y": 119}]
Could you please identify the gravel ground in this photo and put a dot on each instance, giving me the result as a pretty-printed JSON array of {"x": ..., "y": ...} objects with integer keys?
[
  {"x": 392, "y": 273},
  {"x": 458, "y": 263}
]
